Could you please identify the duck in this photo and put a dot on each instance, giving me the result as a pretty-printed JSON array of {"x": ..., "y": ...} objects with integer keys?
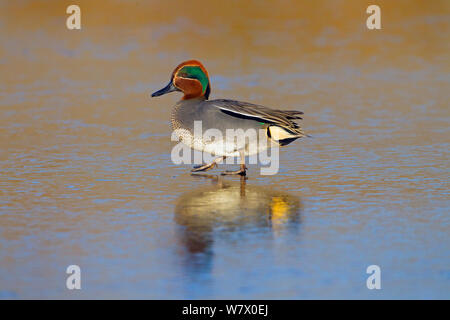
[{"x": 278, "y": 127}]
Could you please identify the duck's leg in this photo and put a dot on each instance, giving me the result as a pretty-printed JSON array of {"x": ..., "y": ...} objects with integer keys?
[
  {"x": 242, "y": 169},
  {"x": 208, "y": 166}
]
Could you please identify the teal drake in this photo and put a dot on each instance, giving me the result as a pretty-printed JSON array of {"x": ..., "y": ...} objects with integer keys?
[{"x": 191, "y": 78}]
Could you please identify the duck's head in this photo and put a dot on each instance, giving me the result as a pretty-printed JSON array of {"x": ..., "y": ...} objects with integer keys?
[{"x": 189, "y": 77}]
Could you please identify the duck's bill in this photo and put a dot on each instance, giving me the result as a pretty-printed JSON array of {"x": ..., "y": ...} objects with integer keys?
[{"x": 169, "y": 88}]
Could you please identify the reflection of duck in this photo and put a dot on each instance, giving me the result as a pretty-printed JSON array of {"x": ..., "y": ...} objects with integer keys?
[{"x": 226, "y": 207}]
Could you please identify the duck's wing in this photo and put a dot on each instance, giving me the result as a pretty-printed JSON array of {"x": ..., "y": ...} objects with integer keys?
[{"x": 281, "y": 118}]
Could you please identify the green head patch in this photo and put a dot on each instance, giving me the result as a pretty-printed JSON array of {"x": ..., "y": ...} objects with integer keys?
[{"x": 195, "y": 72}]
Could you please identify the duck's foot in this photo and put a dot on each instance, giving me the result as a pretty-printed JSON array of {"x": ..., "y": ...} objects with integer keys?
[
  {"x": 208, "y": 166},
  {"x": 204, "y": 167},
  {"x": 241, "y": 171}
]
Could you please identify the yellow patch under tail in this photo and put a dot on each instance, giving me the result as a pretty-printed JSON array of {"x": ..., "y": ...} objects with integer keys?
[{"x": 278, "y": 133}]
